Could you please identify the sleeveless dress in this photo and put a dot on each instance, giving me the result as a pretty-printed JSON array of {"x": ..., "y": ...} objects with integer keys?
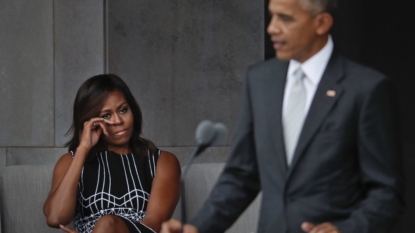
[{"x": 118, "y": 185}]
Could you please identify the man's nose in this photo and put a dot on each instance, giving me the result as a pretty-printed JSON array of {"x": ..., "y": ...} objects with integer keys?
[{"x": 273, "y": 26}]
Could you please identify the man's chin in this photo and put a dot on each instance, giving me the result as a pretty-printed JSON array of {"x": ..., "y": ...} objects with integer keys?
[{"x": 282, "y": 57}]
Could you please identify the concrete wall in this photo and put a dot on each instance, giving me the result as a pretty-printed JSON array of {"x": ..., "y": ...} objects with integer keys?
[
  {"x": 26, "y": 73},
  {"x": 47, "y": 49},
  {"x": 183, "y": 60}
]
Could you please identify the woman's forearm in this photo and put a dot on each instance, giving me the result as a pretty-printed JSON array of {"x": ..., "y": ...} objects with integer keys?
[{"x": 60, "y": 205}]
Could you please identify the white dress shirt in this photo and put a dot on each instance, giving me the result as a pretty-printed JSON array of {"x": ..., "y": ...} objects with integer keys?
[{"x": 313, "y": 68}]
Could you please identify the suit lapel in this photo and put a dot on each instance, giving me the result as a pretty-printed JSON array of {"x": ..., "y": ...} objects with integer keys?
[
  {"x": 274, "y": 87},
  {"x": 327, "y": 94}
]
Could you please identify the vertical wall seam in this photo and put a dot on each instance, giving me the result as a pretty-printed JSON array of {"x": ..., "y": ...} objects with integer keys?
[
  {"x": 54, "y": 72},
  {"x": 106, "y": 68},
  {"x": 5, "y": 159}
]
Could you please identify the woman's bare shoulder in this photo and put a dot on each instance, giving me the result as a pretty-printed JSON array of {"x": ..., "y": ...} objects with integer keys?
[
  {"x": 168, "y": 160},
  {"x": 64, "y": 161},
  {"x": 166, "y": 156}
]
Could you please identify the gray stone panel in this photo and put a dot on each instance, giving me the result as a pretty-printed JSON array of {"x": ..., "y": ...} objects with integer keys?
[
  {"x": 2, "y": 163},
  {"x": 26, "y": 73},
  {"x": 79, "y": 54},
  {"x": 33, "y": 156},
  {"x": 40, "y": 156},
  {"x": 184, "y": 60},
  {"x": 211, "y": 155},
  {"x": 2, "y": 159},
  {"x": 2, "y": 166}
]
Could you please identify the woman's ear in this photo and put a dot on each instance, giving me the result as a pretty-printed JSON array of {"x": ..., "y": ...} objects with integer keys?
[{"x": 324, "y": 22}]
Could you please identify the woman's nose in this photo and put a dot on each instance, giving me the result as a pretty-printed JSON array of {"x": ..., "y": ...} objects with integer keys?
[{"x": 117, "y": 119}]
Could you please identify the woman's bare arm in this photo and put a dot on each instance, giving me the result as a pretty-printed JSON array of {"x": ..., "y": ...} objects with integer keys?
[
  {"x": 165, "y": 191},
  {"x": 59, "y": 207}
]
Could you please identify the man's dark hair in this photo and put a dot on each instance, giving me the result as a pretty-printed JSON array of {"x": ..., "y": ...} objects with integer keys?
[{"x": 319, "y": 6}]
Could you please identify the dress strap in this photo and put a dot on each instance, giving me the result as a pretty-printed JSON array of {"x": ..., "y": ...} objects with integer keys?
[
  {"x": 152, "y": 161},
  {"x": 72, "y": 154}
]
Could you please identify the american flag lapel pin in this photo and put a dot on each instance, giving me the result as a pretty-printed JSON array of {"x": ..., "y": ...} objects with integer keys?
[{"x": 331, "y": 93}]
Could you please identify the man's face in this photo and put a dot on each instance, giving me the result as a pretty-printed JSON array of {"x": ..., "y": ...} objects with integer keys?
[{"x": 292, "y": 30}]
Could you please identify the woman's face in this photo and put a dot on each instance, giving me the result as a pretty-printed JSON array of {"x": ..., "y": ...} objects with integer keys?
[{"x": 117, "y": 110}]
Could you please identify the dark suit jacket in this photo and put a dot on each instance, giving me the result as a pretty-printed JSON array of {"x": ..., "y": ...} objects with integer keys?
[{"x": 346, "y": 168}]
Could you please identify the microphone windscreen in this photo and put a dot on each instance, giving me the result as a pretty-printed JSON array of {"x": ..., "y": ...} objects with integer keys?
[
  {"x": 205, "y": 132},
  {"x": 220, "y": 133}
]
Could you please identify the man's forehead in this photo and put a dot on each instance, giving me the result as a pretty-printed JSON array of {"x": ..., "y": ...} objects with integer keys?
[
  {"x": 286, "y": 6},
  {"x": 284, "y": 3}
]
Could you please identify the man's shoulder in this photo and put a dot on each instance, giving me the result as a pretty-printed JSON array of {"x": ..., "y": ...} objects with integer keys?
[
  {"x": 359, "y": 77},
  {"x": 270, "y": 65},
  {"x": 267, "y": 64},
  {"x": 354, "y": 69}
]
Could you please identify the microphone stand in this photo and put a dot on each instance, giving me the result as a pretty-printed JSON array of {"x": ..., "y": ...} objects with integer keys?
[{"x": 195, "y": 153}]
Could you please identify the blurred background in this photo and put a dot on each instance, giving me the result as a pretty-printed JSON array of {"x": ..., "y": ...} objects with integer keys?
[{"x": 184, "y": 61}]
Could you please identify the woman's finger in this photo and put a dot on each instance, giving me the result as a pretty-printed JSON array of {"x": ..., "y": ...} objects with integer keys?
[
  {"x": 325, "y": 228},
  {"x": 108, "y": 121},
  {"x": 171, "y": 226},
  {"x": 67, "y": 229},
  {"x": 94, "y": 123},
  {"x": 101, "y": 126},
  {"x": 307, "y": 226},
  {"x": 99, "y": 119},
  {"x": 102, "y": 123}
]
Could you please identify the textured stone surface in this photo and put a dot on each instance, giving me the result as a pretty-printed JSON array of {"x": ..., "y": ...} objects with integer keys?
[
  {"x": 33, "y": 156},
  {"x": 2, "y": 166},
  {"x": 79, "y": 54},
  {"x": 211, "y": 155},
  {"x": 182, "y": 61},
  {"x": 38, "y": 156},
  {"x": 2, "y": 159},
  {"x": 26, "y": 73}
]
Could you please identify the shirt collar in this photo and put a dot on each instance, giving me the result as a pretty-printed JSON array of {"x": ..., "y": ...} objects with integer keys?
[{"x": 314, "y": 67}]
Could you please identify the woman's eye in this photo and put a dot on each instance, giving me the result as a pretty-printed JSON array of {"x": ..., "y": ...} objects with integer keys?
[
  {"x": 124, "y": 110},
  {"x": 106, "y": 116}
]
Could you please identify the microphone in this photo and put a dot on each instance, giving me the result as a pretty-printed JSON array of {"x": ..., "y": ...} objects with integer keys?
[
  {"x": 220, "y": 133},
  {"x": 207, "y": 134}
]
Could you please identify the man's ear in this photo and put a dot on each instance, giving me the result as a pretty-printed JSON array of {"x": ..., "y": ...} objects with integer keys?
[{"x": 324, "y": 22}]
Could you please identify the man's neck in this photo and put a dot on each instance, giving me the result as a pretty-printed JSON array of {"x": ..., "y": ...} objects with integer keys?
[{"x": 316, "y": 47}]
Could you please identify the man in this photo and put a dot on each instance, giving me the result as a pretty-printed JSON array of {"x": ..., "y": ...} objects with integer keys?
[{"x": 317, "y": 133}]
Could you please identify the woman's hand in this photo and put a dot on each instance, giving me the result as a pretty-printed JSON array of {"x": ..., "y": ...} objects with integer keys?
[
  {"x": 174, "y": 226},
  {"x": 326, "y": 227},
  {"x": 92, "y": 131},
  {"x": 67, "y": 229}
]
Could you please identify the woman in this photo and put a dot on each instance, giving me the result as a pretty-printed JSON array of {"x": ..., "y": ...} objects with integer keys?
[{"x": 111, "y": 180}]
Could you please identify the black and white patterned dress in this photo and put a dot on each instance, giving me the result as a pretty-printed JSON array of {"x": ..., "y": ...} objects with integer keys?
[{"x": 118, "y": 185}]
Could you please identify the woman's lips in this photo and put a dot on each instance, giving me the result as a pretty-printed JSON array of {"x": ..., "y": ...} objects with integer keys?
[{"x": 121, "y": 132}]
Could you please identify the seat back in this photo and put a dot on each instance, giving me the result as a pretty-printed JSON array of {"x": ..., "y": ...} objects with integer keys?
[
  {"x": 199, "y": 182},
  {"x": 25, "y": 188}
]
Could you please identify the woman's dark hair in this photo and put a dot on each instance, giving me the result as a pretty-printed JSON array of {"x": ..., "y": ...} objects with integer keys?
[{"x": 88, "y": 104}]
